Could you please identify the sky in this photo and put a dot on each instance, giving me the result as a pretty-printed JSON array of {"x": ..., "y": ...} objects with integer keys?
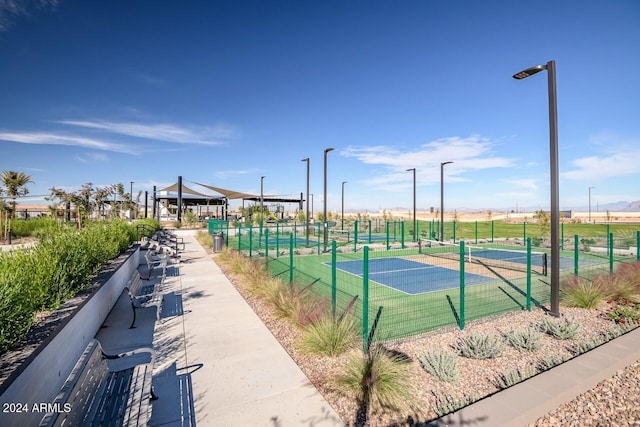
[{"x": 227, "y": 92}]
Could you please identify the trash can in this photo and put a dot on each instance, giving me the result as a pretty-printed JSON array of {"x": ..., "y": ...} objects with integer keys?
[{"x": 218, "y": 241}]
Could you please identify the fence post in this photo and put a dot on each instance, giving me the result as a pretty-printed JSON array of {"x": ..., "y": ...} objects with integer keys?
[
  {"x": 266, "y": 244},
  {"x": 334, "y": 282},
  {"x": 576, "y": 242},
  {"x": 387, "y": 231},
  {"x": 637, "y": 245},
  {"x": 454, "y": 230},
  {"x": 250, "y": 240},
  {"x": 355, "y": 235},
  {"x": 369, "y": 231},
  {"x": 365, "y": 298},
  {"x": 528, "y": 273},
  {"x": 476, "y": 232},
  {"x": 492, "y": 229},
  {"x": 239, "y": 236},
  {"x": 462, "y": 261},
  {"x": 277, "y": 239},
  {"x": 610, "y": 252},
  {"x": 290, "y": 258},
  {"x": 402, "y": 233},
  {"x": 318, "y": 234}
]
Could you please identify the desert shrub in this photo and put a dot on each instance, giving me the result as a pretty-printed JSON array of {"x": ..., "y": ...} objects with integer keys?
[
  {"x": 33, "y": 227},
  {"x": 509, "y": 379},
  {"x": 478, "y": 346},
  {"x": 578, "y": 292},
  {"x": 441, "y": 364},
  {"x": 58, "y": 267},
  {"x": 329, "y": 336},
  {"x": 380, "y": 380},
  {"x": 549, "y": 361},
  {"x": 528, "y": 339},
  {"x": 445, "y": 404},
  {"x": 561, "y": 329}
]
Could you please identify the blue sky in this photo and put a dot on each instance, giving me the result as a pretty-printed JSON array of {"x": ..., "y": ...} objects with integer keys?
[{"x": 224, "y": 92}]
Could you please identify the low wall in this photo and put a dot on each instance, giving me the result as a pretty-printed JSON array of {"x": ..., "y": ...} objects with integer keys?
[{"x": 39, "y": 379}]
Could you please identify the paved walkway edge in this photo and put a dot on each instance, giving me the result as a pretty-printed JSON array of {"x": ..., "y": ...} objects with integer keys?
[{"x": 524, "y": 403}]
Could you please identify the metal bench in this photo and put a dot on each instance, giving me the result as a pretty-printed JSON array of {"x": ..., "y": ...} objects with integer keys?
[
  {"x": 144, "y": 294},
  {"x": 93, "y": 394}
]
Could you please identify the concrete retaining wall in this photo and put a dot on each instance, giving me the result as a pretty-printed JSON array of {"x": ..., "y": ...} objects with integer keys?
[{"x": 41, "y": 380}]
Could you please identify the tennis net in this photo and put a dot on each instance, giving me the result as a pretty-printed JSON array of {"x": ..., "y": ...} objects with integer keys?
[{"x": 511, "y": 259}]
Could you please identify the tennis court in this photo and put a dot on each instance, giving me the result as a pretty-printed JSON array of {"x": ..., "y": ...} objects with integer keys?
[{"x": 410, "y": 277}]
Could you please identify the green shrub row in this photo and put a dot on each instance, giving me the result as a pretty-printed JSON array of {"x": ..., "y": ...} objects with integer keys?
[{"x": 63, "y": 262}]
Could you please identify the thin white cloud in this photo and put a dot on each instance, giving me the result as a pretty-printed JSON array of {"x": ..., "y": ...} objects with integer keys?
[
  {"x": 615, "y": 159},
  {"x": 468, "y": 154},
  {"x": 43, "y": 138},
  {"x": 93, "y": 158},
  {"x": 217, "y": 135}
]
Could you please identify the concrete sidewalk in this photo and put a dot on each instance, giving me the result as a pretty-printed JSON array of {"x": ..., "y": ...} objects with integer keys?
[{"x": 218, "y": 364}]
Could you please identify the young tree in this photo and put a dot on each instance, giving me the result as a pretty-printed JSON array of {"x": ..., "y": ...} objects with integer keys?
[
  {"x": 14, "y": 185},
  {"x": 544, "y": 219}
]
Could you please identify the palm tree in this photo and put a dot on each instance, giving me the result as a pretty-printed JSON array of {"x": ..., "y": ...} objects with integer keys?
[{"x": 14, "y": 184}]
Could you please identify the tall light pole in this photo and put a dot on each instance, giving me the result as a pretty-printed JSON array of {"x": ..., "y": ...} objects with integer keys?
[
  {"x": 306, "y": 221},
  {"x": 342, "y": 217},
  {"x": 261, "y": 201},
  {"x": 414, "y": 203},
  {"x": 442, "y": 199},
  {"x": 133, "y": 216},
  {"x": 555, "y": 183},
  {"x": 324, "y": 211},
  {"x": 590, "y": 203}
]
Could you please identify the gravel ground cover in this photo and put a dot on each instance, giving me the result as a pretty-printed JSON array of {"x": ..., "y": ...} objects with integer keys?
[{"x": 617, "y": 399}]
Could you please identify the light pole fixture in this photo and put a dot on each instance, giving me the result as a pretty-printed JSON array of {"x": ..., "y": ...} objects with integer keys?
[
  {"x": 442, "y": 199},
  {"x": 415, "y": 228},
  {"x": 324, "y": 211},
  {"x": 261, "y": 201},
  {"x": 306, "y": 220},
  {"x": 555, "y": 183},
  {"x": 342, "y": 217},
  {"x": 590, "y": 203},
  {"x": 133, "y": 216}
]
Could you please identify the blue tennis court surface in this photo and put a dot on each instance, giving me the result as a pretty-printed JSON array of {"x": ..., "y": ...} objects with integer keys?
[{"x": 409, "y": 276}]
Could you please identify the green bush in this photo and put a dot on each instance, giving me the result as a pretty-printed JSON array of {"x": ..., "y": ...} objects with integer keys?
[
  {"x": 63, "y": 263},
  {"x": 34, "y": 227}
]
